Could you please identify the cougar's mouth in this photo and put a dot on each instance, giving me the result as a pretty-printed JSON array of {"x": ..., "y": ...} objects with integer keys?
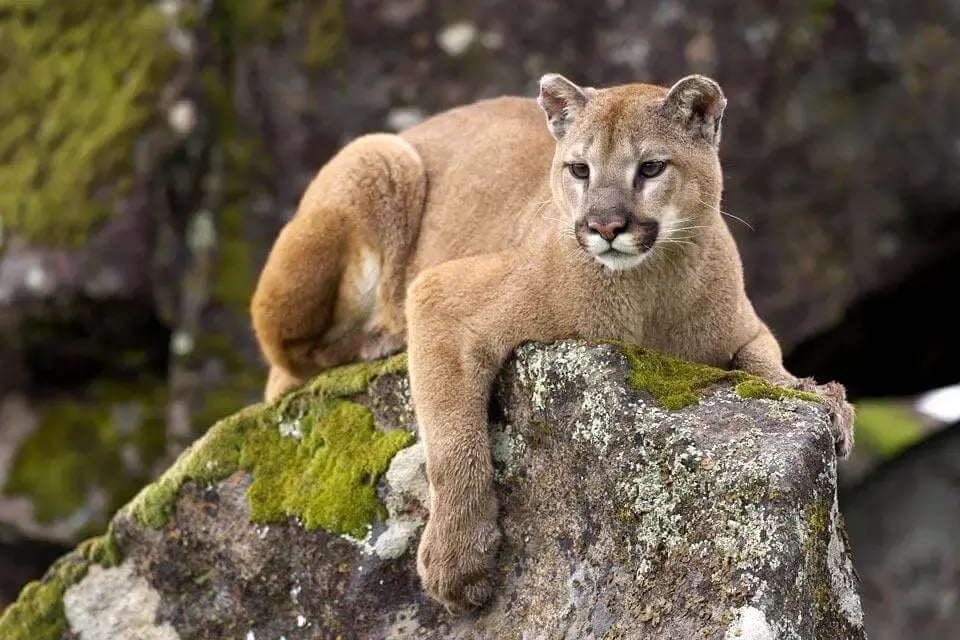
[
  {"x": 624, "y": 252},
  {"x": 617, "y": 260}
]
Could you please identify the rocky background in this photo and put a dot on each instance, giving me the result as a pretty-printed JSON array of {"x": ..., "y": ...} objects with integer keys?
[{"x": 151, "y": 150}]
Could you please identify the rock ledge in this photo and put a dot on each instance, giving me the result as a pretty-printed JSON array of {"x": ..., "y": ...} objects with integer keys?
[{"x": 714, "y": 519}]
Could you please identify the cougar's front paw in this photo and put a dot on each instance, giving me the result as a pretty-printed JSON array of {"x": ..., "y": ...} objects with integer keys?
[
  {"x": 841, "y": 412},
  {"x": 456, "y": 562}
]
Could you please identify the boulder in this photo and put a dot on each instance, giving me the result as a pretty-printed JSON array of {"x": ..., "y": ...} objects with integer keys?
[{"x": 642, "y": 497}]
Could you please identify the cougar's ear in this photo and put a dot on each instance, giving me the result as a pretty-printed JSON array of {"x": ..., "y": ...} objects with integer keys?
[
  {"x": 562, "y": 101},
  {"x": 697, "y": 103}
]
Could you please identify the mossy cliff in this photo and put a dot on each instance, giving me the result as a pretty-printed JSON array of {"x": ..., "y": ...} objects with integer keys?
[
  {"x": 38, "y": 614},
  {"x": 300, "y": 518},
  {"x": 78, "y": 86},
  {"x": 314, "y": 456}
]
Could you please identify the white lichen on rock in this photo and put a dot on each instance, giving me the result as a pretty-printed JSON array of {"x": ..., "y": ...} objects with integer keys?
[
  {"x": 601, "y": 403},
  {"x": 115, "y": 603},
  {"x": 750, "y": 624},
  {"x": 406, "y": 476},
  {"x": 407, "y": 488},
  {"x": 291, "y": 429},
  {"x": 396, "y": 540},
  {"x": 841, "y": 573},
  {"x": 506, "y": 446}
]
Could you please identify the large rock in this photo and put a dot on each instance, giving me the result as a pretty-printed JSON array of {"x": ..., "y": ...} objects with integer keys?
[{"x": 716, "y": 518}]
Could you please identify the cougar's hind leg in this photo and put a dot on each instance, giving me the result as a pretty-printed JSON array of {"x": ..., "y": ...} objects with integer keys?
[
  {"x": 332, "y": 288},
  {"x": 393, "y": 223}
]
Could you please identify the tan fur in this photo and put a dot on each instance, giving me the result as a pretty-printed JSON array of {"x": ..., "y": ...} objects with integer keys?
[{"x": 477, "y": 237}]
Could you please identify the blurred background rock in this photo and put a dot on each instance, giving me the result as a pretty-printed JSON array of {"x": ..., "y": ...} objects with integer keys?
[{"x": 150, "y": 151}]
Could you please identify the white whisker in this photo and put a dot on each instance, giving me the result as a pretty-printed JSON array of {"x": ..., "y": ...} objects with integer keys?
[
  {"x": 729, "y": 215},
  {"x": 675, "y": 229}
]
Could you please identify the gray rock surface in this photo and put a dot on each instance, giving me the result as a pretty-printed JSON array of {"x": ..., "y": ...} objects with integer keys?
[{"x": 622, "y": 519}]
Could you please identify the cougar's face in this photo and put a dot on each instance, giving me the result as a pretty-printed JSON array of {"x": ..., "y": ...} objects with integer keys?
[{"x": 630, "y": 178}]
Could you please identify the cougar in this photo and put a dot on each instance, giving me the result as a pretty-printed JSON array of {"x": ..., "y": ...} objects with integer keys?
[{"x": 481, "y": 228}]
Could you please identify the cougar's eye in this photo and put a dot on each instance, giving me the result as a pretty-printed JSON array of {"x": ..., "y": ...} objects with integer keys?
[
  {"x": 579, "y": 171},
  {"x": 651, "y": 169}
]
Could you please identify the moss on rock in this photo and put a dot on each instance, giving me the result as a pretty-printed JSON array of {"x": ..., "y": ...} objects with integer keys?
[
  {"x": 673, "y": 382},
  {"x": 677, "y": 383},
  {"x": 314, "y": 455},
  {"x": 79, "y": 79},
  {"x": 752, "y": 387},
  {"x": 38, "y": 613},
  {"x": 327, "y": 475}
]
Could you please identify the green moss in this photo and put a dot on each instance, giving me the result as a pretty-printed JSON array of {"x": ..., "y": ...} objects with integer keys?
[
  {"x": 77, "y": 448},
  {"x": 759, "y": 388},
  {"x": 102, "y": 550},
  {"x": 78, "y": 86},
  {"x": 354, "y": 379},
  {"x": 38, "y": 613},
  {"x": 673, "y": 382},
  {"x": 817, "y": 518},
  {"x": 816, "y": 539},
  {"x": 328, "y": 477},
  {"x": 211, "y": 458},
  {"x": 324, "y": 471},
  {"x": 677, "y": 383},
  {"x": 887, "y": 427}
]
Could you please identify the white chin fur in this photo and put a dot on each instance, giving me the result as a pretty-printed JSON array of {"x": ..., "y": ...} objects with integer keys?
[
  {"x": 597, "y": 245},
  {"x": 624, "y": 255},
  {"x": 624, "y": 243},
  {"x": 616, "y": 261}
]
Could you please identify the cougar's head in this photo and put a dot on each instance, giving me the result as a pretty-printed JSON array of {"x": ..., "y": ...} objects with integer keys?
[{"x": 636, "y": 166}]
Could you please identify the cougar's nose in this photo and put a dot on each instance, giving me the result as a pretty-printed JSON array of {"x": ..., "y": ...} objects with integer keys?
[{"x": 608, "y": 228}]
